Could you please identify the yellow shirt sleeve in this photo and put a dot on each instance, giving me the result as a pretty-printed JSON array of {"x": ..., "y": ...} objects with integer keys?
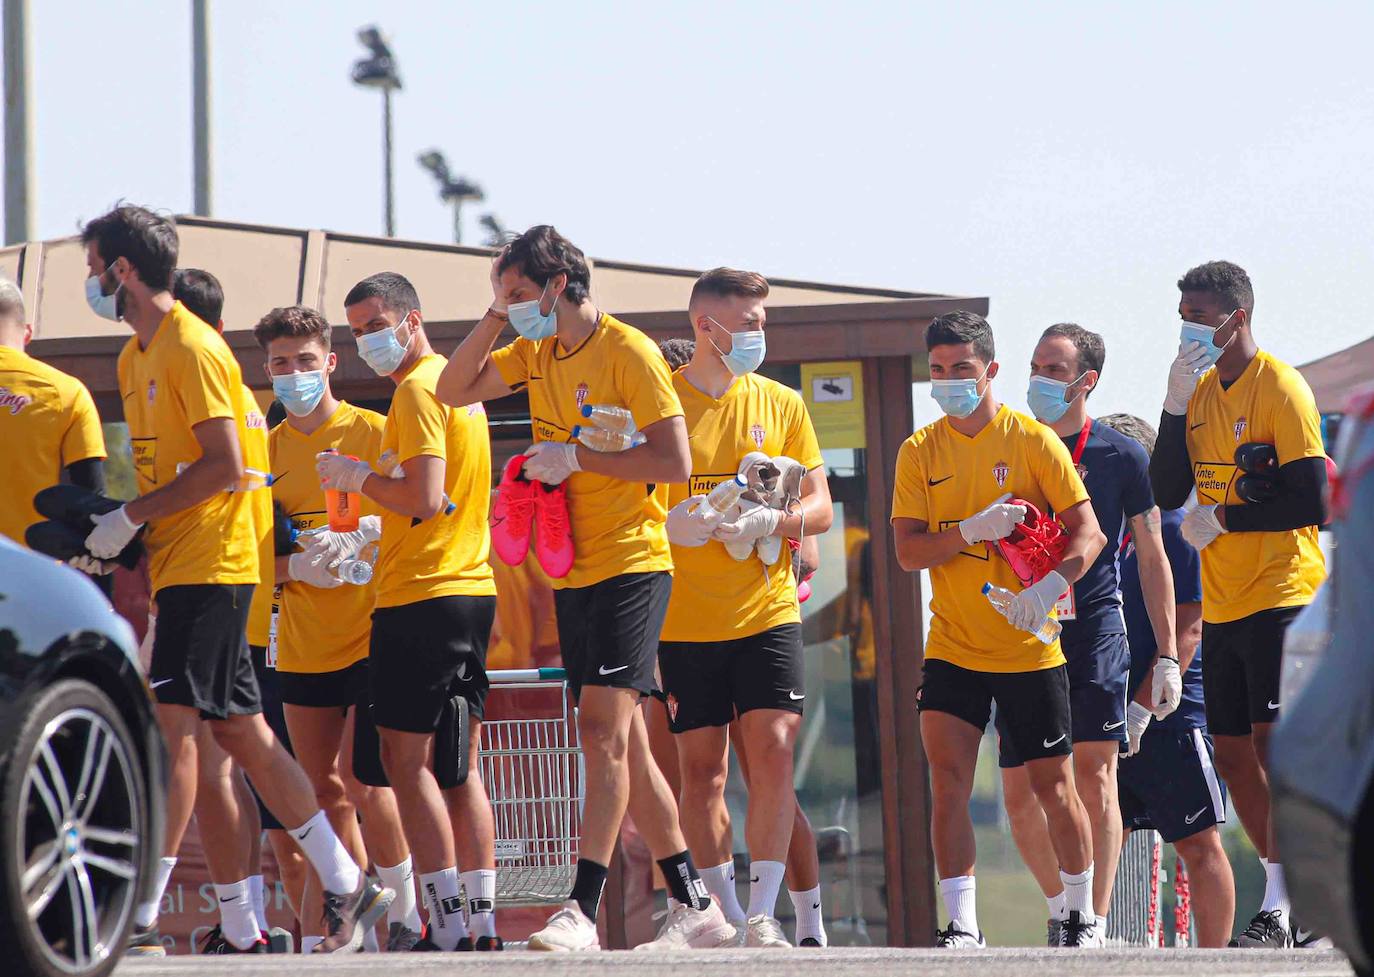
[
  {"x": 646, "y": 385},
  {"x": 908, "y": 490},
  {"x": 1297, "y": 423},
  {"x": 513, "y": 362},
  {"x": 1054, "y": 470},
  {"x": 801, "y": 444},
  {"x": 207, "y": 387},
  {"x": 83, "y": 438},
  {"x": 421, "y": 424}
]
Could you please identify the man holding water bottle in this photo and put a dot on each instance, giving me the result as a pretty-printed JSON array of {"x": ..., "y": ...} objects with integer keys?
[{"x": 953, "y": 485}]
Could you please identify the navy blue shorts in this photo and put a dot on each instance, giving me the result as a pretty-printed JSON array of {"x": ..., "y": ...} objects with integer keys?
[
  {"x": 1171, "y": 784},
  {"x": 1099, "y": 672}
]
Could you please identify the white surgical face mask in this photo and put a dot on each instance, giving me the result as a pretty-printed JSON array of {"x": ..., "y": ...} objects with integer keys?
[
  {"x": 105, "y": 306},
  {"x": 382, "y": 351}
]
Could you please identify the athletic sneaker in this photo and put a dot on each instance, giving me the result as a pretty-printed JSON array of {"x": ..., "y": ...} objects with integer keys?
[
  {"x": 1305, "y": 939},
  {"x": 401, "y": 939},
  {"x": 553, "y": 542},
  {"x": 279, "y": 940},
  {"x": 1033, "y": 548},
  {"x": 490, "y": 944},
  {"x": 144, "y": 943},
  {"x": 1053, "y": 929},
  {"x": 764, "y": 931},
  {"x": 512, "y": 514},
  {"x": 1267, "y": 929},
  {"x": 425, "y": 945},
  {"x": 810, "y": 941},
  {"x": 693, "y": 929},
  {"x": 953, "y": 938},
  {"x": 217, "y": 945},
  {"x": 567, "y": 930},
  {"x": 1081, "y": 931},
  {"x": 348, "y": 915}
]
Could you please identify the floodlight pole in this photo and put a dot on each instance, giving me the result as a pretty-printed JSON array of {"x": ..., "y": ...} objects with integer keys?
[
  {"x": 388, "y": 205},
  {"x": 18, "y": 123},
  {"x": 200, "y": 103}
]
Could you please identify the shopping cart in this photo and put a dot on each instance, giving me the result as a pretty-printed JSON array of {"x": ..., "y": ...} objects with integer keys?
[{"x": 531, "y": 763}]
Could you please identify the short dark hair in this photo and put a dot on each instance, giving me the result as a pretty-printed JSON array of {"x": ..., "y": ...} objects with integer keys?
[
  {"x": 297, "y": 321},
  {"x": 393, "y": 288},
  {"x": 678, "y": 352},
  {"x": 1092, "y": 351},
  {"x": 540, "y": 253},
  {"x": 730, "y": 283},
  {"x": 201, "y": 293},
  {"x": 146, "y": 240},
  {"x": 1132, "y": 427},
  {"x": 957, "y": 328},
  {"x": 1223, "y": 280}
]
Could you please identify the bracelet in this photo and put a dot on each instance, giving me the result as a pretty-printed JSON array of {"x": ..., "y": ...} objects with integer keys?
[
  {"x": 1169, "y": 658},
  {"x": 498, "y": 315}
]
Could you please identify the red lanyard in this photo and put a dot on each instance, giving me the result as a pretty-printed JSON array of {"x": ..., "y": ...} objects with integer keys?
[{"x": 1082, "y": 441}]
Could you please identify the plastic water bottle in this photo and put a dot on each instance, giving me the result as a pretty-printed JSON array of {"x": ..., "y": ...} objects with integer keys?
[
  {"x": 599, "y": 439},
  {"x": 342, "y": 507},
  {"x": 357, "y": 572},
  {"x": 249, "y": 481},
  {"x": 610, "y": 418},
  {"x": 1001, "y": 598},
  {"x": 724, "y": 496}
]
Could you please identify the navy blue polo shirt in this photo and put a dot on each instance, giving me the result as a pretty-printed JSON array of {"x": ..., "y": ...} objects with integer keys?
[
  {"x": 1187, "y": 567},
  {"x": 1116, "y": 471}
]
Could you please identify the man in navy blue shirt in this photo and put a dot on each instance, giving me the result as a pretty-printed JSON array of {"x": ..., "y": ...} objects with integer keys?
[
  {"x": 1169, "y": 783},
  {"x": 1065, "y": 368}
]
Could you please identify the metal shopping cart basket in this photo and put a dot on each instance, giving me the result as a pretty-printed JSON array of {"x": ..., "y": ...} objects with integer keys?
[{"x": 531, "y": 762}]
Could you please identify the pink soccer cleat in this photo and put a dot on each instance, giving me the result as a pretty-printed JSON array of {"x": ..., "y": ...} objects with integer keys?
[{"x": 513, "y": 513}]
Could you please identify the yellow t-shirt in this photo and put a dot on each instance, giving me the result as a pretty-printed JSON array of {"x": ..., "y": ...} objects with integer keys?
[
  {"x": 47, "y": 422},
  {"x": 617, "y": 526},
  {"x": 942, "y": 478},
  {"x": 1247, "y": 572},
  {"x": 186, "y": 376},
  {"x": 322, "y": 630},
  {"x": 447, "y": 553},
  {"x": 716, "y": 597},
  {"x": 255, "y": 456}
]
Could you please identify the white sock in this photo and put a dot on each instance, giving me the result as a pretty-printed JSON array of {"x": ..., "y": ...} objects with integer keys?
[
  {"x": 1275, "y": 890},
  {"x": 1056, "y": 906},
  {"x": 146, "y": 913},
  {"x": 480, "y": 886},
  {"x": 236, "y": 918},
  {"x": 370, "y": 940},
  {"x": 765, "y": 879},
  {"x": 337, "y": 871},
  {"x": 1102, "y": 922},
  {"x": 308, "y": 943},
  {"x": 1078, "y": 893},
  {"x": 810, "y": 918},
  {"x": 258, "y": 891},
  {"x": 960, "y": 895},
  {"x": 720, "y": 883},
  {"x": 440, "y": 890},
  {"x": 403, "y": 909}
]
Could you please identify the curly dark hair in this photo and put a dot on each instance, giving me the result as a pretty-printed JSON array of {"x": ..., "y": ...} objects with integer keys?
[
  {"x": 1223, "y": 280},
  {"x": 1132, "y": 427},
  {"x": 540, "y": 253},
  {"x": 146, "y": 240},
  {"x": 678, "y": 352},
  {"x": 292, "y": 320},
  {"x": 957, "y": 328}
]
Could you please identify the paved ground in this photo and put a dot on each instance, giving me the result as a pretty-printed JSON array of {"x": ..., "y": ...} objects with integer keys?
[{"x": 773, "y": 963}]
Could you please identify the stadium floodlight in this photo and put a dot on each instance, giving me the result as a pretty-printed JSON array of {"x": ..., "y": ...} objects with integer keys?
[
  {"x": 496, "y": 231},
  {"x": 379, "y": 72},
  {"x": 452, "y": 190}
]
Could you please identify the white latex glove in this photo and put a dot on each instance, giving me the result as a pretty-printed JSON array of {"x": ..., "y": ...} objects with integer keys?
[
  {"x": 1028, "y": 609},
  {"x": 995, "y": 522},
  {"x": 1190, "y": 363},
  {"x": 754, "y": 522},
  {"x": 334, "y": 547},
  {"x": 308, "y": 567},
  {"x": 111, "y": 534},
  {"x": 1166, "y": 687},
  {"x": 551, "y": 462},
  {"x": 1137, "y": 721},
  {"x": 691, "y": 522},
  {"x": 340, "y": 473},
  {"x": 89, "y": 564},
  {"x": 1201, "y": 526}
]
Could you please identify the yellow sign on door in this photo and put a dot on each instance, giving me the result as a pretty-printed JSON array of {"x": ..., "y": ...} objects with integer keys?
[{"x": 834, "y": 394}]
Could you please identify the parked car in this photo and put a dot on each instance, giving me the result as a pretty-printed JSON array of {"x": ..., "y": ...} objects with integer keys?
[{"x": 82, "y": 775}]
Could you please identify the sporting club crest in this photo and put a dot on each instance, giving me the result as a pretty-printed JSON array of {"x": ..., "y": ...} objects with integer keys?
[
  {"x": 757, "y": 432},
  {"x": 152, "y": 390},
  {"x": 1082, "y": 470},
  {"x": 1239, "y": 429},
  {"x": 581, "y": 395},
  {"x": 1000, "y": 471}
]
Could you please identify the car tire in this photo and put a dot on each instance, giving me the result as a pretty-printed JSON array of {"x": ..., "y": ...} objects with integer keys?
[{"x": 73, "y": 818}]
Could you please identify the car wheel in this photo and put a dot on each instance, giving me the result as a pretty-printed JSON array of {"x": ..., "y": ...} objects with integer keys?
[{"x": 73, "y": 816}]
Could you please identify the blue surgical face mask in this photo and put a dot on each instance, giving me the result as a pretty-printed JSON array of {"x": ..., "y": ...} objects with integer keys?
[
  {"x": 299, "y": 393},
  {"x": 747, "y": 350},
  {"x": 1047, "y": 398},
  {"x": 105, "y": 306},
  {"x": 957, "y": 398},
  {"x": 531, "y": 323},
  {"x": 1196, "y": 332},
  {"x": 382, "y": 351}
]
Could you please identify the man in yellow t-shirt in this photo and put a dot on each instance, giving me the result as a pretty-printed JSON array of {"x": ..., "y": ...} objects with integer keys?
[
  {"x": 435, "y": 604},
  {"x": 611, "y": 604},
  {"x": 953, "y": 483},
  {"x": 48, "y": 423},
  {"x": 182, "y": 392},
  {"x": 1229, "y": 403},
  {"x": 732, "y": 638}
]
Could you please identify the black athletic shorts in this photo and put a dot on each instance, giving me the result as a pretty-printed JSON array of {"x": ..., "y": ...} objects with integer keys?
[
  {"x": 1240, "y": 672},
  {"x": 200, "y": 650},
  {"x": 709, "y": 683},
  {"x": 1171, "y": 785},
  {"x": 270, "y": 690},
  {"x": 423, "y": 654},
  {"x": 608, "y": 632},
  {"x": 1035, "y": 704},
  {"x": 340, "y": 689}
]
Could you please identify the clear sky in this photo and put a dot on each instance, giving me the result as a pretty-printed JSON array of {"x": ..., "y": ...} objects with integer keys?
[{"x": 1068, "y": 160}]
